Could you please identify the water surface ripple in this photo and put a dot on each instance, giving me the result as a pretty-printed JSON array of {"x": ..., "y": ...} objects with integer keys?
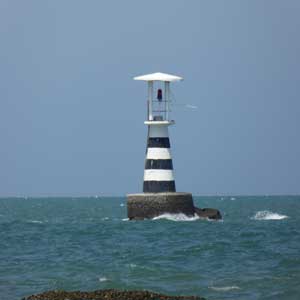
[{"x": 87, "y": 244}]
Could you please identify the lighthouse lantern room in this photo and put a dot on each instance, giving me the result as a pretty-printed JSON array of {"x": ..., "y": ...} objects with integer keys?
[
  {"x": 158, "y": 173},
  {"x": 158, "y": 107}
]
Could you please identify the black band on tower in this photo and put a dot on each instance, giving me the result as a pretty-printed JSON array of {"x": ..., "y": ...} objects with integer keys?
[
  {"x": 164, "y": 164},
  {"x": 159, "y": 186},
  {"x": 158, "y": 142}
]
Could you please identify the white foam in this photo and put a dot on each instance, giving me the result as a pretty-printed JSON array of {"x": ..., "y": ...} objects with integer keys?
[
  {"x": 268, "y": 215},
  {"x": 103, "y": 279},
  {"x": 125, "y": 219},
  {"x": 122, "y": 204},
  {"x": 36, "y": 221},
  {"x": 224, "y": 288},
  {"x": 177, "y": 217}
]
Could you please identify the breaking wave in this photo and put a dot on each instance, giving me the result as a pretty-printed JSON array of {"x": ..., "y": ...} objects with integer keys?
[
  {"x": 35, "y": 221},
  {"x": 102, "y": 279},
  {"x": 268, "y": 215},
  {"x": 224, "y": 288},
  {"x": 176, "y": 217}
]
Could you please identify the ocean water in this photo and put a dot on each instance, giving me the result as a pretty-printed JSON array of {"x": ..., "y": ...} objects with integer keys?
[{"x": 88, "y": 244}]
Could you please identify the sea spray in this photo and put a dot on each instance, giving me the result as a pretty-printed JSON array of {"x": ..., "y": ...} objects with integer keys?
[
  {"x": 177, "y": 217},
  {"x": 268, "y": 215}
]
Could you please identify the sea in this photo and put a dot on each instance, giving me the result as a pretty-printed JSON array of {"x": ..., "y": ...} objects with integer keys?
[{"x": 88, "y": 243}]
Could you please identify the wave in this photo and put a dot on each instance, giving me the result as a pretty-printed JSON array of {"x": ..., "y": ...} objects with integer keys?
[
  {"x": 176, "y": 217},
  {"x": 224, "y": 288},
  {"x": 268, "y": 215},
  {"x": 227, "y": 198},
  {"x": 179, "y": 217},
  {"x": 35, "y": 221},
  {"x": 102, "y": 279}
]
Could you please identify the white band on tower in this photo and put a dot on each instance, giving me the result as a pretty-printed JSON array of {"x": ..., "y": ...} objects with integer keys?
[
  {"x": 158, "y": 175},
  {"x": 158, "y": 131},
  {"x": 158, "y": 153}
]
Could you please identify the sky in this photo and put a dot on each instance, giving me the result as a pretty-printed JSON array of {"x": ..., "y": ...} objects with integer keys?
[{"x": 71, "y": 117}]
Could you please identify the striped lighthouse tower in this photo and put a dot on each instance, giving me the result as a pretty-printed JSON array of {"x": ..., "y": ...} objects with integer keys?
[
  {"x": 158, "y": 173},
  {"x": 159, "y": 192}
]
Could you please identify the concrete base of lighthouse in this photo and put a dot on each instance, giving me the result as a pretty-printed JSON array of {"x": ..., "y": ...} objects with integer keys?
[{"x": 150, "y": 205}]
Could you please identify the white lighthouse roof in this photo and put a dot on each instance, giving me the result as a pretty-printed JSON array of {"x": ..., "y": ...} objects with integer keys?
[{"x": 158, "y": 77}]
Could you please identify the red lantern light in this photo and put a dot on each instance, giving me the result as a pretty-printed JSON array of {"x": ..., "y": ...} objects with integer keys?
[{"x": 159, "y": 95}]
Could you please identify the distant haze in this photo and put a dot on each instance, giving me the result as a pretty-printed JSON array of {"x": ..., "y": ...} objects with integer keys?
[{"x": 71, "y": 117}]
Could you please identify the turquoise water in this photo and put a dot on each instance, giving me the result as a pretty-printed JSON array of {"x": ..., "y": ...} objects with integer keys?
[{"x": 87, "y": 243}]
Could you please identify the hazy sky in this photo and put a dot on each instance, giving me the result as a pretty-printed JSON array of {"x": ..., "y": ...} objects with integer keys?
[{"x": 71, "y": 117}]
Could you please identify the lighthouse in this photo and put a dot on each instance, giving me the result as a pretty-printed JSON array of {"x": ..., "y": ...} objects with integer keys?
[
  {"x": 159, "y": 189},
  {"x": 158, "y": 173}
]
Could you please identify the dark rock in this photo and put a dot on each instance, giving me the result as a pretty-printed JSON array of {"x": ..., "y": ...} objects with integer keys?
[
  {"x": 150, "y": 205},
  {"x": 210, "y": 213},
  {"x": 110, "y": 294}
]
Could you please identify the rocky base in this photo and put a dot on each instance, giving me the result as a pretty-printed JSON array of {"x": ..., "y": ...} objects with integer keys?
[
  {"x": 210, "y": 213},
  {"x": 107, "y": 295},
  {"x": 150, "y": 205}
]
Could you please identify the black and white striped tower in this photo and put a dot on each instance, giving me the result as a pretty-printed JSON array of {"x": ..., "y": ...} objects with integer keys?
[
  {"x": 159, "y": 192},
  {"x": 158, "y": 173}
]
